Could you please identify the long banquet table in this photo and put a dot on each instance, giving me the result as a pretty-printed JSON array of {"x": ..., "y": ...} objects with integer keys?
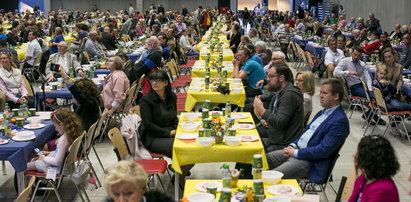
[
  {"x": 19, "y": 153},
  {"x": 186, "y": 152}
]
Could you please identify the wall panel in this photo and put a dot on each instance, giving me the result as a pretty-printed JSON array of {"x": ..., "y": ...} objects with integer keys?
[{"x": 388, "y": 12}]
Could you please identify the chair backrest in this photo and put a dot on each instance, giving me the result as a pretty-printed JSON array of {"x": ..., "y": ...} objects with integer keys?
[
  {"x": 306, "y": 118},
  {"x": 100, "y": 123},
  {"x": 120, "y": 146},
  {"x": 130, "y": 97},
  {"x": 37, "y": 60},
  {"x": 87, "y": 56},
  {"x": 72, "y": 153},
  {"x": 379, "y": 98},
  {"x": 364, "y": 85},
  {"x": 335, "y": 155},
  {"x": 310, "y": 61},
  {"x": 29, "y": 88},
  {"x": 89, "y": 138},
  {"x": 25, "y": 194},
  {"x": 135, "y": 110}
]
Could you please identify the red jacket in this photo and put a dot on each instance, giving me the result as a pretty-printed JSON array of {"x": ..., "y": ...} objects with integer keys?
[{"x": 369, "y": 48}]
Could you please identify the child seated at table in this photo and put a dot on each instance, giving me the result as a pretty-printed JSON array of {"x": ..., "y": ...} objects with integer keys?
[
  {"x": 388, "y": 91},
  {"x": 69, "y": 126}
]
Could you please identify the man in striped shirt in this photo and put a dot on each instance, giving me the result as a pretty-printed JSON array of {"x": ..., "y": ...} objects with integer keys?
[{"x": 285, "y": 38}]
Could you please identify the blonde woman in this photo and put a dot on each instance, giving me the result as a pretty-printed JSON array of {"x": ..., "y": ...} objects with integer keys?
[
  {"x": 305, "y": 82},
  {"x": 69, "y": 127},
  {"x": 127, "y": 181}
]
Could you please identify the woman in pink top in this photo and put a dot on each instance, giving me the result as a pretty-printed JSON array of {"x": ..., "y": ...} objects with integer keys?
[
  {"x": 376, "y": 160},
  {"x": 68, "y": 125},
  {"x": 116, "y": 85},
  {"x": 140, "y": 28}
]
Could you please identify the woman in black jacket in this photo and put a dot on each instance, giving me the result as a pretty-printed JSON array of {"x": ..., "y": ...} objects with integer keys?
[
  {"x": 159, "y": 115},
  {"x": 87, "y": 100},
  {"x": 159, "y": 118},
  {"x": 235, "y": 38}
]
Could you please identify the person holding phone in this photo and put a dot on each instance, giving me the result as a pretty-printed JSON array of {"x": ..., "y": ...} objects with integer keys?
[
  {"x": 62, "y": 61},
  {"x": 69, "y": 126}
]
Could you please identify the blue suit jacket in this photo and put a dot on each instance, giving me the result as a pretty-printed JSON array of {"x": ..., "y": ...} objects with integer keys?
[{"x": 321, "y": 148}]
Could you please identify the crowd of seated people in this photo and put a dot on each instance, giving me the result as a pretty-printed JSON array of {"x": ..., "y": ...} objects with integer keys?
[{"x": 280, "y": 102}]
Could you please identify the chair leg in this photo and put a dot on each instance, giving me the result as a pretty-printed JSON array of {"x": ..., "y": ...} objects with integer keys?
[
  {"x": 55, "y": 190},
  {"x": 35, "y": 190},
  {"x": 405, "y": 129},
  {"x": 98, "y": 157},
  {"x": 161, "y": 183},
  {"x": 94, "y": 173},
  {"x": 3, "y": 167},
  {"x": 79, "y": 192}
]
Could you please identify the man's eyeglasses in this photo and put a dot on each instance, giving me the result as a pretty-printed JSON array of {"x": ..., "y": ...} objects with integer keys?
[{"x": 270, "y": 76}]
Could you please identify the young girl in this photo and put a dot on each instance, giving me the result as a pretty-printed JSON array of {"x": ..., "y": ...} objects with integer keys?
[
  {"x": 388, "y": 90},
  {"x": 68, "y": 125}
]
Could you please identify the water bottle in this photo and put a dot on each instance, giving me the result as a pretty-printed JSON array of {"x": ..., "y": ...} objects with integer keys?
[
  {"x": 228, "y": 108},
  {"x": 25, "y": 109},
  {"x": 6, "y": 112},
  {"x": 226, "y": 176},
  {"x": 21, "y": 112}
]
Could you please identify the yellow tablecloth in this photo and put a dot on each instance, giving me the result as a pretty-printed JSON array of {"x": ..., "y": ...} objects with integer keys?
[
  {"x": 204, "y": 44},
  {"x": 221, "y": 37},
  {"x": 21, "y": 50},
  {"x": 198, "y": 69},
  {"x": 214, "y": 97},
  {"x": 190, "y": 186},
  {"x": 192, "y": 153},
  {"x": 228, "y": 55}
]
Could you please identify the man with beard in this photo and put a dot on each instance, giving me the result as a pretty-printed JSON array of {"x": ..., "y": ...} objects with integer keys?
[
  {"x": 282, "y": 122},
  {"x": 284, "y": 117}
]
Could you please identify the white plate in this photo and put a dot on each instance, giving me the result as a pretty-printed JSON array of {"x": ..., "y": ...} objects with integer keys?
[
  {"x": 44, "y": 114},
  {"x": 18, "y": 138},
  {"x": 281, "y": 189},
  {"x": 248, "y": 138},
  {"x": 200, "y": 197},
  {"x": 202, "y": 186},
  {"x": 239, "y": 116},
  {"x": 25, "y": 133},
  {"x": 277, "y": 199},
  {"x": 28, "y": 126},
  {"x": 244, "y": 126},
  {"x": 4, "y": 141},
  {"x": 187, "y": 136}
]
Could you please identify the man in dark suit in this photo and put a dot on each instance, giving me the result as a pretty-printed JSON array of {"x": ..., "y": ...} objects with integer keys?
[
  {"x": 311, "y": 155},
  {"x": 108, "y": 40}
]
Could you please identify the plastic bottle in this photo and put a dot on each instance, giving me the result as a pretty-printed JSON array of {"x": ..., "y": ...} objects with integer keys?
[
  {"x": 21, "y": 112},
  {"x": 228, "y": 108},
  {"x": 6, "y": 111},
  {"x": 25, "y": 109},
  {"x": 226, "y": 176}
]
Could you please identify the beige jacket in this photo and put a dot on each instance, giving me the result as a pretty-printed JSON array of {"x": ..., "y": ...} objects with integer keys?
[{"x": 71, "y": 62}]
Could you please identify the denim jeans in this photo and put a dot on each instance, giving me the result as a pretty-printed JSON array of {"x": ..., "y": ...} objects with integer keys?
[{"x": 395, "y": 105}]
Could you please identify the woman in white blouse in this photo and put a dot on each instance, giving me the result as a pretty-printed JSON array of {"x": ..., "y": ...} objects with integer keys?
[
  {"x": 305, "y": 82},
  {"x": 11, "y": 82},
  {"x": 69, "y": 127}
]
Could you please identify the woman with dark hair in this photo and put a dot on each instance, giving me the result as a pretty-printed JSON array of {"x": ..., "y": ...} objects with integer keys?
[
  {"x": 159, "y": 114},
  {"x": 159, "y": 117},
  {"x": 373, "y": 44},
  {"x": 235, "y": 37},
  {"x": 87, "y": 100},
  {"x": 376, "y": 160}
]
